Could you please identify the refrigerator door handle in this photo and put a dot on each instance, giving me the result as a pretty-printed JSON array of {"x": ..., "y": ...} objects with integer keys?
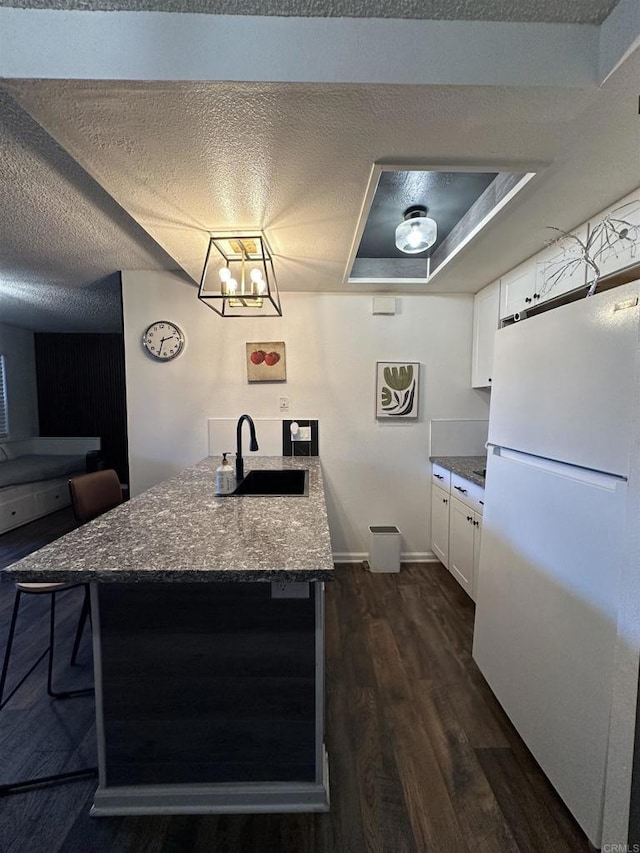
[{"x": 599, "y": 479}]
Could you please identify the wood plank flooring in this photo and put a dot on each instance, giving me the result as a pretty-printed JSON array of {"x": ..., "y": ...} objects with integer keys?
[{"x": 422, "y": 758}]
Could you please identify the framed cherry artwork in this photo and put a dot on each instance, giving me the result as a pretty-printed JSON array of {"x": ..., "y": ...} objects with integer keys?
[{"x": 266, "y": 361}]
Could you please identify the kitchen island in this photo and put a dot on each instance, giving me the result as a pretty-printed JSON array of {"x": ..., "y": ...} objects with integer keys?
[{"x": 208, "y": 644}]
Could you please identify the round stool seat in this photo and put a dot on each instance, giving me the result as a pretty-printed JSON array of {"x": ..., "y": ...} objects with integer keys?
[{"x": 33, "y": 587}]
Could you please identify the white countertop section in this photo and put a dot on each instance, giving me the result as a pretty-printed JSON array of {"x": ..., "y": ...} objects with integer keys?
[{"x": 179, "y": 530}]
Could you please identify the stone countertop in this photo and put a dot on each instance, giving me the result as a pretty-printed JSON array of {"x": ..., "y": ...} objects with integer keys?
[
  {"x": 464, "y": 466},
  {"x": 180, "y": 530}
]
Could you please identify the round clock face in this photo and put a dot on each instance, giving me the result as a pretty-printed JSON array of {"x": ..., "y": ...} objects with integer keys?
[{"x": 163, "y": 340}]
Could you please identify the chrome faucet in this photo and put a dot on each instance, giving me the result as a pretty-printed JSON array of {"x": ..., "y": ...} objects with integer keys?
[{"x": 253, "y": 445}]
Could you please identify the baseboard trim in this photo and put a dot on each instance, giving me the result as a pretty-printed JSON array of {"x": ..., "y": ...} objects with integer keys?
[{"x": 229, "y": 798}]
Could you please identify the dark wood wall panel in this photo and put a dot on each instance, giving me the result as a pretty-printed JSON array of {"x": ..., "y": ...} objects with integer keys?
[
  {"x": 207, "y": 682},
  {"x": 81, "y": 391}
]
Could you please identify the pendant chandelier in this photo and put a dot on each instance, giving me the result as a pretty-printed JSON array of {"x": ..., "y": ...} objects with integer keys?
[{"x": 238, "y": 279}]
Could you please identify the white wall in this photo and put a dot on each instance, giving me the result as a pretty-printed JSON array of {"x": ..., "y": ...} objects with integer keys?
[
  {"x": 17, "y": 345},
  {"x": 375, "y": 473}
]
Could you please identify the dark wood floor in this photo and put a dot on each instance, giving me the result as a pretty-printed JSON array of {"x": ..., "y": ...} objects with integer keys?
[{"x": 421, "y": 756}]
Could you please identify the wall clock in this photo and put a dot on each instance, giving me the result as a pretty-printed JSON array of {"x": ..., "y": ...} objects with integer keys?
[{"x": 163, "y": 340}]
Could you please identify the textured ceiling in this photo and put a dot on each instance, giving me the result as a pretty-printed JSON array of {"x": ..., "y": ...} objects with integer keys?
[
  {"x": 547, "y": 11},
  {"x": 59, "y": 229},
  {"x": 294, "y": 160},
  {"x": 102, "y": 176}
]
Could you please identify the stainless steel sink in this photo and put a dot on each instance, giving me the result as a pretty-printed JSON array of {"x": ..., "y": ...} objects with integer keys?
[{"x": 290, "y": 481}]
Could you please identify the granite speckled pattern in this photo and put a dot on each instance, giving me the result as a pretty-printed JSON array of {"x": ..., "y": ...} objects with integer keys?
[
  {"x": 569, "y": 11},
  {"x": 464, "y": 466},
  {"x": 179, "y": 530}
]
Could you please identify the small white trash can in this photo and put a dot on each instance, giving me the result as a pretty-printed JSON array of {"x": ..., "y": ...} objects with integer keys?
[{"x": 384, "y": 548}]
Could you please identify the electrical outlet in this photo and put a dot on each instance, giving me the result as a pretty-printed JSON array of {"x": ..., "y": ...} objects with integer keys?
[
  {"x": 284, "y": 589},
  {"x": 284, "y": 405}
]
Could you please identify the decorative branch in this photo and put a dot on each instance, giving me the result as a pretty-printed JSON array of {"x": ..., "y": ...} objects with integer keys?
[{"x": 604, "y": 239}]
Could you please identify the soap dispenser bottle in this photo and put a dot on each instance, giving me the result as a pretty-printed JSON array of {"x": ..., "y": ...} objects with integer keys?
[{"x": 225, "y": 477}]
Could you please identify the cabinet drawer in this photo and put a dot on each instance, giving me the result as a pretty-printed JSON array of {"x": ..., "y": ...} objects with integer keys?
[
  {"x": 16, "y": 512},
  {"x": 52, "y": 498},
  {"x": 440, "y": 477},
  {"x": 467, "y": 492}
]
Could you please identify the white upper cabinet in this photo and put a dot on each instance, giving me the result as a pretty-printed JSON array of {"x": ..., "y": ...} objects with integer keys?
[
  {"x": 617, "y": 243},
  {"x": 517, "y": 289},
  {"x": 561, "y": 267},
  {"x": 486, "y": 321}
]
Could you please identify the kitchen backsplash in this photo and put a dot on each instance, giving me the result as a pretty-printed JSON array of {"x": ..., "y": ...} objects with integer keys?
[
  {"x": 273, "y": 434},
  {"x": 454, "y": 437}
]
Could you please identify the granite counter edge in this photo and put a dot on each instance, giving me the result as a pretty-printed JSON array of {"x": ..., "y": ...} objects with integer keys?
[
  {"x": 463, "y": 466},
  {"x": 170, "y": 576}
]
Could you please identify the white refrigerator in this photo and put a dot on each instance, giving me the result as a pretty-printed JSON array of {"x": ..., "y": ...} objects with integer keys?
[{"x": 559, "y": 542}]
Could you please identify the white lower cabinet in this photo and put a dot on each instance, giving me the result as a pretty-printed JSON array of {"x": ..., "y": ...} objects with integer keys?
[
  {"x": 456, "y": 526},
  {"x": 440, "y": 524},
  {"x": 477, "y": 537},
  {"x": 464, "y": 544}
]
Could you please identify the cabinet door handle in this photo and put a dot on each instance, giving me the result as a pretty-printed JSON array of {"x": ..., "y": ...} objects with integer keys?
[
  {"x": 536, "y": 296},
  {"x": 438, "y": 476},
  {"x": 490, "y": 380},
  {"x": 460, "y": 489},
  {"x": 469, "y": 518},
  {"x": 481, "y": 503},
  {"x": 476, "y": 524},
  {"x": 445, "y": 501},
  {"x": 528, "y": 299}
]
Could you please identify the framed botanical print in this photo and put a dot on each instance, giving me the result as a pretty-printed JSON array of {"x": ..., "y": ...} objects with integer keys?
[{"x": 397, "y": 389}]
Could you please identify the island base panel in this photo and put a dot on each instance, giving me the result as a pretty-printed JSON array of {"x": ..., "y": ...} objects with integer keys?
[
  {"x": 206, "y": 685},
  {"x": 261, "y": 798}
]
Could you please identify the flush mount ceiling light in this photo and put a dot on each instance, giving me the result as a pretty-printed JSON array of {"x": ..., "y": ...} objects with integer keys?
[
  {"x": 416, "y": 233},
  {"x": 238, "y": 279}
]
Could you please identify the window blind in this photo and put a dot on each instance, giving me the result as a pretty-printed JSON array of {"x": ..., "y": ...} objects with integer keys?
[{"x": 4, "y": 414}]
